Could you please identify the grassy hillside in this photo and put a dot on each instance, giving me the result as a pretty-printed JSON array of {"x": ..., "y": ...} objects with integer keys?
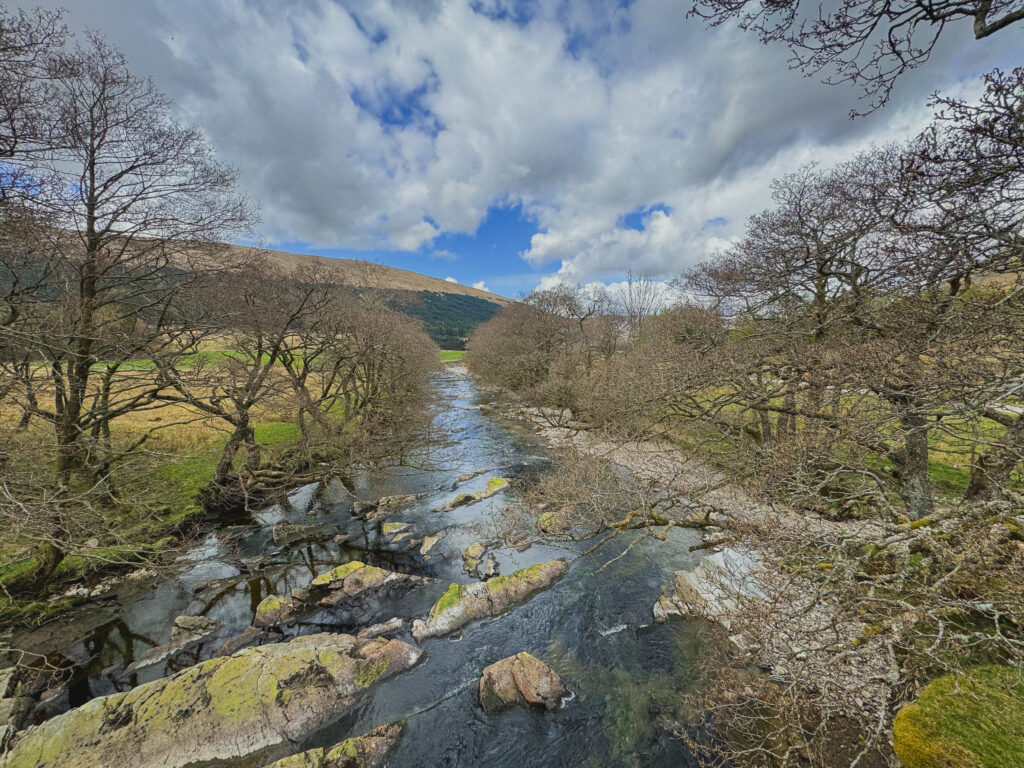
[{"x": 450, "y": 312}]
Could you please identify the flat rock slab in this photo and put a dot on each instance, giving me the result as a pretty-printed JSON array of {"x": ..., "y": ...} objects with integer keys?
[
  {"x": 520, "y": 680},
  {"x": 245, "y": 709},
  {"x": 461, "y": 604},
  {"x": 368, "y": 751}
]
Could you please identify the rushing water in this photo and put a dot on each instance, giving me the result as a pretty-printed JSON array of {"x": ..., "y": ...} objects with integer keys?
[{"x": 593, "y": 626}]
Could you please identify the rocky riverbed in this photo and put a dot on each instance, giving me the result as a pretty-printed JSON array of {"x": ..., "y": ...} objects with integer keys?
[{"x": 340, "y": 627}]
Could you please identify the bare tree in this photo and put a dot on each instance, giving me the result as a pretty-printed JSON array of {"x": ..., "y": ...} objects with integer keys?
[
  {"x": 137, "y": 203},
  {"x": 867, "y": 42}
]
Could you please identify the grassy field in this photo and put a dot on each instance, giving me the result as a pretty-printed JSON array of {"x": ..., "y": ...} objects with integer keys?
[{"x": 451, "y": 355}]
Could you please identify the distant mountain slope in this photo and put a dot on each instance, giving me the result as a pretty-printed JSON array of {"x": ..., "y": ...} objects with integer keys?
[
  {"x": 449, "y": 311},
  {"x": 366, "y": 274}
]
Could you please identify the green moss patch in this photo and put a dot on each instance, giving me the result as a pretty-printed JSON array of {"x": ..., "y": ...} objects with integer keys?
[
  {"x": 451, "y": 596},
  {"x": 337, "y": 574},
  {"x": 974, "y": 721}
]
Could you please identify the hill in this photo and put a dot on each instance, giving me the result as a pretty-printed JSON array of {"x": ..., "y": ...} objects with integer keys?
[
  {"x": 367, "y": 275},
  {"x": 449, "y": 311}
]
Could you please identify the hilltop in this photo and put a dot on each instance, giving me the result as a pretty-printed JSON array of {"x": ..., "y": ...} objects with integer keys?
[
  {"x": 368, "y": 275},
  {"x": 450, "y": 312}
]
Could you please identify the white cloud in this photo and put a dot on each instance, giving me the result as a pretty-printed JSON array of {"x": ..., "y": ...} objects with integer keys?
[
  {"x": 410, "y": 122},
  {"x": 481, "y": 286},
  {"x": 451, "y": 280}
]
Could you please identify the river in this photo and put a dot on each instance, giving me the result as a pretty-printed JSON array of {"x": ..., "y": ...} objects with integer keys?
[{"x": 593, "y": 627}]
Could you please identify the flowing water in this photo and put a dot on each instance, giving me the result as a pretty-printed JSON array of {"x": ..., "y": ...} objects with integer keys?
[{"x": 593, "y": 626}]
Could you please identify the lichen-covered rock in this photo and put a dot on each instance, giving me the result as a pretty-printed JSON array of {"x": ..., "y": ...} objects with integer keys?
[
  {"x": 390, "y": 529},
  {"x": 461, "y": 604},
  {"x": 471, "y": 556},
  {"x": 245, "y": 709},
  {"x": 353, "y": 579},
  {"x": 429, "y": 542},
  {"x": 368, "y": 751},
  {"x": 520, "y": 679},
  {"x": 188, "y": 632},
  {"x": 274, "y": 610}
]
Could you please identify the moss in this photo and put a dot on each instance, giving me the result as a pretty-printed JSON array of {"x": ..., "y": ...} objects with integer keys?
[
  {"x": 495, "y": 484},
  {"x": 981, "y": 725},
  {"x": 451, "y": 596},
  {"x": 528, "y": 574},
  {"x": 370, "y": 672},
  {"x": 337, "y": 574}
]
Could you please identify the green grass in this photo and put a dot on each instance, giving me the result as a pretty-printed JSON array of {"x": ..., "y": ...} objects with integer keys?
[
  {"x": 978, "y": 724},
  {"x": 452, "y": 355}
]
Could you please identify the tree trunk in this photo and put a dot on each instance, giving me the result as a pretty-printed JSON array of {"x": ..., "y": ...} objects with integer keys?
[{"x": 915, "y": 487}]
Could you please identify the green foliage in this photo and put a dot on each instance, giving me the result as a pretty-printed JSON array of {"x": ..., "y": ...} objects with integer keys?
[{"x": 452, "y": 355}]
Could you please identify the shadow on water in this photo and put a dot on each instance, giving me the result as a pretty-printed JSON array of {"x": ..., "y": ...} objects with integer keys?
[{"x": 593, "y": 627}]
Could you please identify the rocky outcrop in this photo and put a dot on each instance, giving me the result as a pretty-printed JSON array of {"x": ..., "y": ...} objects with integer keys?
[
  {"x": 714, "y": 589},
  {"x": 188, "y": 632},
  {"x": 520, "y": 680},
  {"x": 368, "y": 751},
  {"x": 244, "y": 709},
  {"x": 352, "y": 581},
  {"x": 274, "y": 610},
  {"x": 471, "y": 557},
  {"x": 429, "y": 542},
  {"x": 355, "y": 593},
  {"x": 494, "y": 486},
  {"x": 461, "y": 604}
]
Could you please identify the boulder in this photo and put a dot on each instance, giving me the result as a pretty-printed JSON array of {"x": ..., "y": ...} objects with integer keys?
[
  {"x": 274, "y": 610},
  {"x": 245, "y": 709},
  {"x": 390, "y": 529},
  {"x": 367, "y": 751},
  {"x": 188, "y": 632},
  {"x": 461, "y": 604},
  {"x": 520, "y": 679}
]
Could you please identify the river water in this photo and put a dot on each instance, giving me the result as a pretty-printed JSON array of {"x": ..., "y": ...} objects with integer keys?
[{"x": 593, "y": 626}]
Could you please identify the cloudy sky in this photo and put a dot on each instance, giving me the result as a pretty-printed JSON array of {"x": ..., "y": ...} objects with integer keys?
[{"x": 504, "y": 143}]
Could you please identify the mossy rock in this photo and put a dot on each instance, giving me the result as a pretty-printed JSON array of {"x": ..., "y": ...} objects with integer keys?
[
  {"x": 451, "y": 596},
  {"x": 367, "y": 751},
  {"x": 340, "y": 573},
  {"x": 973, "y": 721},
  {"x": 245, "y": 709}
]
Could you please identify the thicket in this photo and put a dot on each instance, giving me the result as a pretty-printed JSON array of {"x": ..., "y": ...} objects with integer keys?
[{"x": 856, "y": 358}]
